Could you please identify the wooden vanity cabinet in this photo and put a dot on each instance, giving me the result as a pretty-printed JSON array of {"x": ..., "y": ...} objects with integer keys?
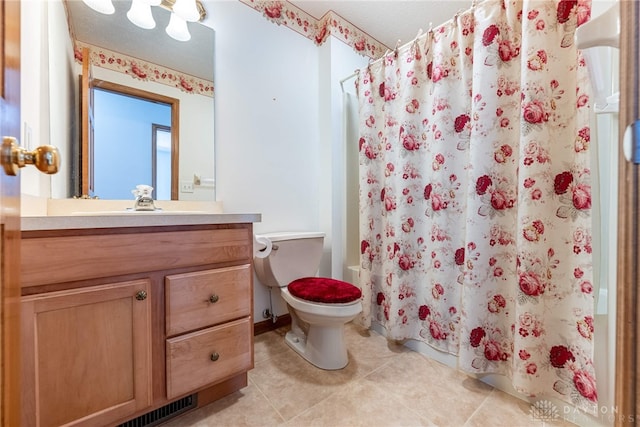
[{"x": 118, "y": 322}]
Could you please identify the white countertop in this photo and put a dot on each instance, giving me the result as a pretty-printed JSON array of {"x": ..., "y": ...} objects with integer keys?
[
  {"x": 137, "y": 219},
  {"x": 59, "y": 214}
]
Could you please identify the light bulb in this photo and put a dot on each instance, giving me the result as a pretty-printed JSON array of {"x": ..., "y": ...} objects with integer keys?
[
  {"x": 102, "y": 6},
  {"x": 187, "y": 10},
  {"x": 140, "y": 14},
  {"x": 177, "y": 28}
]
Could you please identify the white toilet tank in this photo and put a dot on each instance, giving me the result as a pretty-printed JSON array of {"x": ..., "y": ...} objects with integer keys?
[{"x": 293, "y": 255}]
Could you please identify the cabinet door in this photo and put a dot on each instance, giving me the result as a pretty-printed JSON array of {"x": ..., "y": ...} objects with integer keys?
[{"x": 87, "y": 354}]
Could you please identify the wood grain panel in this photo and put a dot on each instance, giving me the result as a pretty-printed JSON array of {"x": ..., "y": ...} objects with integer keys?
[
  {"x": 71, "y": 258},
  {"x": 188, "y": 305},
  {"x": 627, "y": 383},
  {"x": 10, "y": 355},
  {"x": 189, "y": 364},
  {"x": 80, "y": 341}
]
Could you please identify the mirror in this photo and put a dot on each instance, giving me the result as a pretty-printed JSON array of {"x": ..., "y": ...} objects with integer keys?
[{"x": 146, "y": 60}]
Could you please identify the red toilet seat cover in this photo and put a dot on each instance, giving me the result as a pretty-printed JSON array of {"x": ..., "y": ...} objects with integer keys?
[{"x": 323, "y": 289}]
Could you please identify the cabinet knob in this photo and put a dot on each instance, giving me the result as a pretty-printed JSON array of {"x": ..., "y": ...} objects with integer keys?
[
  {"x": 213, "y": 298},
  {"x": 214, "y": 356},
  {"x": 141, "y": 295}
]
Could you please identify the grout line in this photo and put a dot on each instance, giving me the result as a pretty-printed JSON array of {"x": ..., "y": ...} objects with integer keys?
[
  {"x": 493, "y": 390},
  {"x": 313, "y": 406},
  {"x": 400, "y": 401},
  {"x": 264, "y": 395}
]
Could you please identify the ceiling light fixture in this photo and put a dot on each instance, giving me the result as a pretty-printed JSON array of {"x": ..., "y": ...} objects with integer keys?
[
  {"x": 177, "y": 28},
  {"x": 187, "y": 10},
  {"x": 182, "y": 11},
  {"x": 140, "y": 14}
]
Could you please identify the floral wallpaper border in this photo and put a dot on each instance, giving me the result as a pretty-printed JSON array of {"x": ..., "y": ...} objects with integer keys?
[
  {"x": 142, "y": 70},
  {"x": 318, "y": 30}
]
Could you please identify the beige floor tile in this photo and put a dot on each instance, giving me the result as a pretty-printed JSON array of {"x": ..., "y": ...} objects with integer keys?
[
  {"x": 269, "y": 344},
  {"x": 246, "y": 407},
  {"x": 359, "y": 404},
  {"x": 293, "y": 385},
  {"x": 370, "y": 349},
  {"x": 384, "y": 385},
  {"x": 290, "y": 383},
  {"x": 366, "y": 351},
  {"x": 501, "y": 409},
  {"x": 435, "y": 391}
]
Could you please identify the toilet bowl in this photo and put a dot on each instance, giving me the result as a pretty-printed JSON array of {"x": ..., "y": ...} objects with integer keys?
[{"x": 319, "y": 307}]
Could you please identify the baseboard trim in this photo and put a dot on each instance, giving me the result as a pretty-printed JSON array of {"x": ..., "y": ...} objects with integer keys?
[{"x": 270, "y": 325}]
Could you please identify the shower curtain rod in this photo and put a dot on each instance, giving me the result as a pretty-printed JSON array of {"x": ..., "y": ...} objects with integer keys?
[
  {"x": 355, "y": 73},
  {"x": 474, "y": 3}
]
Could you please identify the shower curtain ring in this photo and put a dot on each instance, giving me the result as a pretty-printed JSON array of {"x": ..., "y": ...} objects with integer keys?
[{"x": 427, "y": 39}]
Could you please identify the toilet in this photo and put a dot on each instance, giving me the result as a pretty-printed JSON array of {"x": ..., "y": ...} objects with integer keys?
[{"x": 319, "y": 306}]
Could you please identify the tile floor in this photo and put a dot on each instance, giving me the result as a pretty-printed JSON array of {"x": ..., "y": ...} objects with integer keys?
[{"x": 384, "y": 385}]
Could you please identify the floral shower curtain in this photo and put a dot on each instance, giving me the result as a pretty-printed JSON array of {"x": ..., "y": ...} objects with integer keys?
[{"x": 475, "y": 195}]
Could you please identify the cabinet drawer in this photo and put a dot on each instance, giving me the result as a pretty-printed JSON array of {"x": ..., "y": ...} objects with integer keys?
[
  {"x": 207, "y": 356},
  {"x": 80, "y": 257},
  {"x": 189, "y": 303}
]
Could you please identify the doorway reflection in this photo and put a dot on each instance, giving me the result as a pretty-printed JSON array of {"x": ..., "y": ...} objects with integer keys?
[{"x": 132, "y": 145}]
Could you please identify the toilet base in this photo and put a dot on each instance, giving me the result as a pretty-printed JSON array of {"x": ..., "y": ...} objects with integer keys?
[{"x": 323, "y": 346}]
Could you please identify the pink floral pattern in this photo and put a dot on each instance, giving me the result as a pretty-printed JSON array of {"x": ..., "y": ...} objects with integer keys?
[
  {"x": 331, "y": 24},
  {"x": 475, "y": 196},
  {"x": 142, "y": 70}
]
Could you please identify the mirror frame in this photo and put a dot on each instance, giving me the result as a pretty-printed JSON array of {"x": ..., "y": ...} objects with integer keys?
[{"x": 87, "y": 147}]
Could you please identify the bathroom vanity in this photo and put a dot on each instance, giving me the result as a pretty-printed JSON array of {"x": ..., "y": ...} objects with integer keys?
[{"x": 125, "y": 315}]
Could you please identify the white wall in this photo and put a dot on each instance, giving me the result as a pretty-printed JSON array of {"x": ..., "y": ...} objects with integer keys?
[
  {"x": 34, "y": 88},
  {"x": 278, "y": 138},
  {"x": 343, "y": 158}
]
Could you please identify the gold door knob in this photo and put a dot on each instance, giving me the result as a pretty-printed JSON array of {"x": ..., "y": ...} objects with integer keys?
[
  {"x": 46, "y": 157},
  {"x": 213, "y": 298},
  {"x": 214, "y": 356},
  {"x": 141, "y": 295}
]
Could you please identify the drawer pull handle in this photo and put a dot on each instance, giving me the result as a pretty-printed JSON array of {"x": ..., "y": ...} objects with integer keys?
[
  {"x": 214, "y": 356},
  {"x": 141, "y": 295},
  {"x": 213, "y": 299}
]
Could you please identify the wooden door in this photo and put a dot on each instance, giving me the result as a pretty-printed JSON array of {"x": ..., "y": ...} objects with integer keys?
[
  {"x": 87, "y": 354},
  {"x": 627, "y": 388},
  {"x": 9, "y": 219}
]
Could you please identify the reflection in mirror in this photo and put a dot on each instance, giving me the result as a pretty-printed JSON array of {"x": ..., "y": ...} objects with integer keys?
[
  {"x": 132, "y": 143},
  {"x": 148, "y": 61},
  {"x": 161, "y": 171}
]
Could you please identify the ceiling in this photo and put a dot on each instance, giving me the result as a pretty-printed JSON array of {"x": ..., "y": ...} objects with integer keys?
[
  {"x": 385, "y": 20},
  {"x": 388, "y": 20}
]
